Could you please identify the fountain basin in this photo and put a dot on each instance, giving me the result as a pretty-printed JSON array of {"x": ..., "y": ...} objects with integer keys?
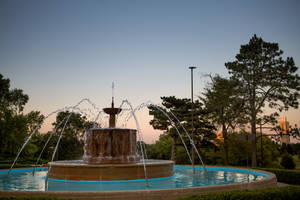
[
  {"x": 182, "y": 184},
  {"x": 79, "y": 170}
]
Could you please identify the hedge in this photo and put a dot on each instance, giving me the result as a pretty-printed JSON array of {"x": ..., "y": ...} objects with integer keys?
[
  {"x": 285, "y": 176},
  {"x": 31, "y": 198},
  {"x": 278, "y": 193},
  {"x": 7, "y": 166}
]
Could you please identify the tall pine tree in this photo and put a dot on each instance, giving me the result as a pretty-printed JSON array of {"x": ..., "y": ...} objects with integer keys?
[{"x": 268, "y": 79}]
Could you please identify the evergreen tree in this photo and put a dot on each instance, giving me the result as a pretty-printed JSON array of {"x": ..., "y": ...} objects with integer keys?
[
  {"x": 267, "y": 79},
  {"x": 181, "y": 108},
  {"x": 225, "y": 106}
]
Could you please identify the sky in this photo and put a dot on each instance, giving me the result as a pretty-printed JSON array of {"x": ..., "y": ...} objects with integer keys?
[{"x": 59, "y": 51}]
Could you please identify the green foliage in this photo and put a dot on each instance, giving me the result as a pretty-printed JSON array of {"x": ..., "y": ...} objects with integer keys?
[
  {"x": 270, "y": 153},
  {"x": 181, "y": 108},
  {"x": 222, "y": 100},
  {"x": 278, "y": 193},
  {"x": 287, "y": 161},
  {"x": 150, "y": 150},
  {"x": 267, "y": 79},
  {"x": 266, "y": 74},
  {"x": 181, "y": 156},
  {"x": 238, "y": 151},
  {"x": 32, "y": 198},
  {"x": 224, "y": 106},
  {"x": 211, "y": 156},
  {"x": 285, "y": 176},
  {"x": 11, "y": 100},
  {"x": 15, "y": 126},
  {"x": 296, "y": 148},
  {"x": 238, "y": 148},
  {"x": 14, "y": 130},
  {"x": 288, "y": 148},
  {"x": 162, "y": 148},
  {"x": 71, "y": 143},
  {"x": 297, "y": 162},
  {"x": 8, "y": 165}
]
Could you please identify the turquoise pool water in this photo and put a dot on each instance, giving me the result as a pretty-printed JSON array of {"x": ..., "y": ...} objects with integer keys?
[{"x": 22, "y": 179}]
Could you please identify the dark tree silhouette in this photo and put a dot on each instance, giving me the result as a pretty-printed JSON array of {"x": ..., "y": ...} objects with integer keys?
[
  {"x": 181, "y": 108},
  {"x": 267, "y": 79}
]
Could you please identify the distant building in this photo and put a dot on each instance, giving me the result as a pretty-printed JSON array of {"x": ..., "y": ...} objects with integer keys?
[
  {"x": 219, "y": 139},
  {"x": 284, "y": 131}
]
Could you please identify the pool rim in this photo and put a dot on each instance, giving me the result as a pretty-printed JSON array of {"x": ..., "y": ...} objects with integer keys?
[{"x": 171, "y": 193}]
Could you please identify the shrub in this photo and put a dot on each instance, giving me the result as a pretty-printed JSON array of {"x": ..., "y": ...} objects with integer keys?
[
  {"x": 7, "y": 166},
  {"x": 274, "y": 164},
  {"x": 285, "y": 176},
  {"x": 287, "y": 162},
  {"x": 283, "y": 193}
]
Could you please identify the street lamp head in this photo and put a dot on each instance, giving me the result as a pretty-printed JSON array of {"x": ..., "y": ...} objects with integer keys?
[{"x": 192, "y": 67}]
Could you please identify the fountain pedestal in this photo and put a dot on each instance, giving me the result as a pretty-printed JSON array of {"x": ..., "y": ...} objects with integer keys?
[
  {"x": 110, "y": 154},
  {"x": 110, "y": 145}
]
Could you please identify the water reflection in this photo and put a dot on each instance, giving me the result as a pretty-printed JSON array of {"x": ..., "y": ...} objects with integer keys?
[{"x": 184, "y": 177}]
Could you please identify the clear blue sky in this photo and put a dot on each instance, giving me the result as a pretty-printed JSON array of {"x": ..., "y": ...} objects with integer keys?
[{"x": 61, "y": 51}]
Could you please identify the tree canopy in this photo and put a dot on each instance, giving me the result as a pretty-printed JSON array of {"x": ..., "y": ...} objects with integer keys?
[
  {"x": 72, "y": 142},
  {"x": 224, "y": 106},
  {"x": 181, "y": 108},
  {"x": 267, "y": 79},
  {"x": 11, "y": 100},
  {"x": 14, "y": 125}
]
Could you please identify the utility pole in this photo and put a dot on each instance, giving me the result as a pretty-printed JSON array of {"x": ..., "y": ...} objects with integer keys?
[
  {"x": 247, "y": 154},
  {"x": 261, "y": 146},
  {"x": 193, "y": 134}
]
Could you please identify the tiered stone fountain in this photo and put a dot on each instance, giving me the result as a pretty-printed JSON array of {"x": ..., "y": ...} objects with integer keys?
[{"x": 110, "y": 154}]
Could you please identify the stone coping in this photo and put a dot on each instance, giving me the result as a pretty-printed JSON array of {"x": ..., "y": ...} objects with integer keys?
[
  {"x": 76, "y": 163},
  {"x": 169, "y": 194}
]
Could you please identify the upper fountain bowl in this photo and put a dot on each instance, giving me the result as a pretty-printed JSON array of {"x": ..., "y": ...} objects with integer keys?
[
  {"x": 112, "y": 111},
  {"x": 112, "y": 115}
]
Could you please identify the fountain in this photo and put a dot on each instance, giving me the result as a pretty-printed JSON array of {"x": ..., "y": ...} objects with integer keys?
[
  {"x": 110, "y": 154},
  {"x": 112, "y": 168}
]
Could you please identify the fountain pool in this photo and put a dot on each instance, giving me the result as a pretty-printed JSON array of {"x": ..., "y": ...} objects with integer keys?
[
  {"x": 111, "y": 168},
  {"x": 183, "y": 183},
  {"x": 22, "y": 180}
]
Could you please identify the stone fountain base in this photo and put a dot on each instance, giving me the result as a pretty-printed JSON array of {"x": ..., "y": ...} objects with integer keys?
[
  {"x": 80, "y": 171},
  {"x": 110, "y": 154},
  {"x": 110, "y": 145}
]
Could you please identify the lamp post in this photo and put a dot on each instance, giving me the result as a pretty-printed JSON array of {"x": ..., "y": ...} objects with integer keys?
[
  {"x": 261, "y": 146},
  {"x": 193, "y": 135}
]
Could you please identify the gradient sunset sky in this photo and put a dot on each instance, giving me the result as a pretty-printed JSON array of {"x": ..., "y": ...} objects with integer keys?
[{"x": 61, "y": 51}]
